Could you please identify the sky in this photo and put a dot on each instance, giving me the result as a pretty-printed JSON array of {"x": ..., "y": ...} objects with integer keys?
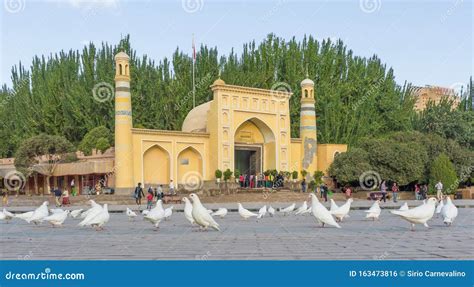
[{"x": 425, "y": 42}]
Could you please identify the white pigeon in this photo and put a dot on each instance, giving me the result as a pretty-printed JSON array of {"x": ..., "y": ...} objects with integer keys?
[
  {"x": 56, "y": 210},
  {"x": 145, "y": 212},
  {"x": 405, "y": 207},
  {"x": 245, "y": 213},
  {"x": 39, "y": 213},
  {"x": 25, "y": 216},
  {"x": 91, "y": 214},
  {"x": 374, "y": 211},
  {"x": 188, "y": 210},
  {"x": 321, "y": 213},
  {"x": 168, "y": 212},
  {"x": 201, "y": 215},
  {"x": 262, "y": 211},
  {"x": 210, "y": 211},
  {"x": 100, "y": 219},
  {"x": 302, "y": 208},
  {"x": 449, "y": 212},
  {"x": 333, "y": 205},
  {"x": 131, "y": 214},
  {"x": 156, "y": 214},
  {"x": 307, "y": 211},
  {"x": 420, "y": 214},
  {"x": 57, "y": 219},
  {"x": 439, "y": 207},
  {"x": 221, "y": 212},
  {"x": 94, "y": 209},
  {"x": 343, "y": 210},
  {"x": 271, "y": 211},
  {"x": 287, "y": 210},
  {"x": 75, "y": 213},
  {"x": 6, "y": 215}
]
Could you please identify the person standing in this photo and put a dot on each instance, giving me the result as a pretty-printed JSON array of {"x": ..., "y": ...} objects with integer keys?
[
  {"x": 324, "y": 192},
  {"x": 383, "y": 189},
  {"x": 66, "y": 197},
  {"x": 417, "y": 192},
  {"x": 241, "y": 180},
  {"x": 439, "y": 190},
  {"x": 303, "y": 185},
  {"x": 159, "y": 192},
  {"x": 395, "y": 191},
  {"x": 73, "y": 188},
  {"x": 57, "y": 196},
  {"x": 139, "y": 194},
  {"x": 348, "y": 192},
  {"x": 424, "y": 191},
  {"x": 149, "y": 199},
  {"x": 172, "y": 191}
]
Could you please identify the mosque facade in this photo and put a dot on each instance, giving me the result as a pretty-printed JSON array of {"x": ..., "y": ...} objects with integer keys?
[{"x": 240, "y": 128}]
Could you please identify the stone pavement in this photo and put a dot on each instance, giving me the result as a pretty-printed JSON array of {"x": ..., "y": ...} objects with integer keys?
[
  {"x": 277, "y": 238},
  {"x": 255, "y": 206}
]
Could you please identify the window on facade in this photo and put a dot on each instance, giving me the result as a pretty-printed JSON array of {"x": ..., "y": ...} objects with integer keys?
[{"x": 184, "y": 161}]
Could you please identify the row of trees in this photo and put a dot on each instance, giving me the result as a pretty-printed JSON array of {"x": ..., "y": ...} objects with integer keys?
[{"x": 355, "y": 96}]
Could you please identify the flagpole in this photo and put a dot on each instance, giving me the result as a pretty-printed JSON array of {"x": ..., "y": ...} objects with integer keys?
[{"x": 194, "y": 87}]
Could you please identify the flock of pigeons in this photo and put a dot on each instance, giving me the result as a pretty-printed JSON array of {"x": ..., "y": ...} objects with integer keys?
[{"x": 97, "y": 215}]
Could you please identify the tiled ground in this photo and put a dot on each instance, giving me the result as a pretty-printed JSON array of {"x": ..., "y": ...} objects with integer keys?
[{"x": 290, "y": 237}]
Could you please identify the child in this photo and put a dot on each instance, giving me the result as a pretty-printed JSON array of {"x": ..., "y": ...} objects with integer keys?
[{"x": 149, "y": 199}]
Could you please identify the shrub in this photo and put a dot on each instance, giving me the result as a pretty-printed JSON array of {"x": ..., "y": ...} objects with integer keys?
[{"x": 442, "y": 169}]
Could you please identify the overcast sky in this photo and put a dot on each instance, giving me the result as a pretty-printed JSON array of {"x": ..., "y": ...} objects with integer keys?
[{"x": 427, "y": 42}]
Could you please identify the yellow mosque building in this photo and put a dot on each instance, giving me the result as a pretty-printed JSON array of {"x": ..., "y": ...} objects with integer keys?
[{"x": 240, "y": 128}]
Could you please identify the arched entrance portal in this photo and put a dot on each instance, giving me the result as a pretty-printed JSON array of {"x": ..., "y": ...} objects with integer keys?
[
  {"x": 189, "y": 166},
  {"x": 254, "y": 147},
  {"x": 156, "y": 166}
]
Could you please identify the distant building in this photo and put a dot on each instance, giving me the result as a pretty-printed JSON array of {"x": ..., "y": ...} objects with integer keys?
[{"x": 424, "y": 95}]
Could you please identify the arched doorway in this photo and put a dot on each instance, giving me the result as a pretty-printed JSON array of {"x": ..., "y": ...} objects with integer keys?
[
  {"x": 254, "y": 147},
  {"x": 156, "y": 166},
  {"x": 189, "y": 165}
]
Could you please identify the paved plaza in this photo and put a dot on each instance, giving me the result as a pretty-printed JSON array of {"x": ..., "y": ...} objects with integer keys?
[{"x": 281, "y": 237}]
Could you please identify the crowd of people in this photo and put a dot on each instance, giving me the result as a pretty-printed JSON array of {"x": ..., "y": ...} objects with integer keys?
[
  {"x": 153, "y": 194},
  {"x": 260, "y": 180}
]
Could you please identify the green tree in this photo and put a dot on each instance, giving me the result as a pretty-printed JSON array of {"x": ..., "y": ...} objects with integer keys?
[
  {"x": 349, "y": 166},
  {"x": 443, "y": 170},
  {"x": 99, "y": 138},
  {"x": 45, "y": 149}
]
